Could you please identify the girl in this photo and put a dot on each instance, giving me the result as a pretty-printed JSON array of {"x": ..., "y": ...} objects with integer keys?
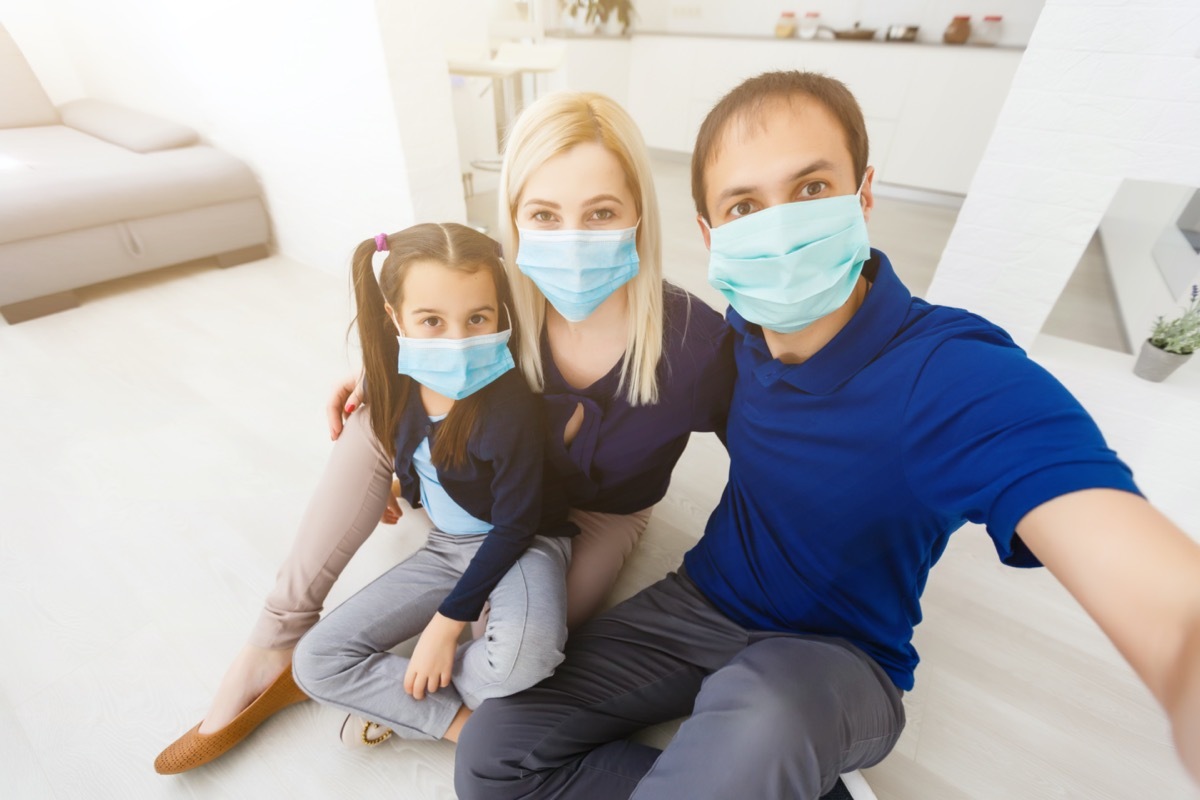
[{"x": 465, "y": 436}]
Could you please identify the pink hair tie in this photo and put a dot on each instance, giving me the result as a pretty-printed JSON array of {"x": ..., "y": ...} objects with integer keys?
[{"x": 381, "y": 242}]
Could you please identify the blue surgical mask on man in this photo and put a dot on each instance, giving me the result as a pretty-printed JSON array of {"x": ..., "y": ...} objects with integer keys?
[
  {"x": 455, "y": 368},
  {"x": 577, "y": 270},
  {"x": 789, "y": 265}
]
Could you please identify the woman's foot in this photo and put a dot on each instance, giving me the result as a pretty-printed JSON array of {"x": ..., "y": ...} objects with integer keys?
[
  {"x": 359, "y": 732},
  {"x": 252, "y": 671},
  {"x": 194, "y": 748}
]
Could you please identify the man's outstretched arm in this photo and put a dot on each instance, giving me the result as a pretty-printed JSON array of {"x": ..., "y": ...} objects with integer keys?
[{"x": 1138, "y": 575}]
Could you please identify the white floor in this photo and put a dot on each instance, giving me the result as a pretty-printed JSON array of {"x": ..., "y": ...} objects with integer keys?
[{"x": 159, "y": 443}]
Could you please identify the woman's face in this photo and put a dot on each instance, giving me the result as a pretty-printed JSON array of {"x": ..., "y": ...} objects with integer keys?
[
  {"x": 443, "y": 303},
  {"x": 583, "y": 188}
]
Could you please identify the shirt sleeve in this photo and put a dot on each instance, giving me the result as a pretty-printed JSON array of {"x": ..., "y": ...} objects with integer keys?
[
  {"x": 988, "y": 436},
  {"x": 714, "y": 389},
  {"x": 510, "y": 438}
]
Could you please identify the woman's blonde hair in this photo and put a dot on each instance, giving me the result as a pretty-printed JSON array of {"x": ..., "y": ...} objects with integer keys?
[{"x": 553, "y": 125}]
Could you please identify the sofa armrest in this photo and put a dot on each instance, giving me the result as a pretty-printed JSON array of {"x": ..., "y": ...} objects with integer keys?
[{"x": 132, "y": 130}]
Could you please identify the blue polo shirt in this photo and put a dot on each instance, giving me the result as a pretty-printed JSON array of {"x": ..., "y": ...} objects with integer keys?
[{"x": 849, "y": 472}]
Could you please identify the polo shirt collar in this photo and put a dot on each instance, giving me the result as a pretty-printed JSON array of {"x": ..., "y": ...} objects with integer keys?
[{"x": 865, "y": 336}]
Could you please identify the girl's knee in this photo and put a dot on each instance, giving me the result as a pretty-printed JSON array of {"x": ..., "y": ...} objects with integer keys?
[{"x": 318, "y": 662}]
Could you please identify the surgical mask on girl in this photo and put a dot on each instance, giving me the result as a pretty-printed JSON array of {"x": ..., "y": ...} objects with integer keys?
[
  {"x": 577, "y": 270},
  {"x": 787, "y": 266},
  {"x": 455, "y": 368}
]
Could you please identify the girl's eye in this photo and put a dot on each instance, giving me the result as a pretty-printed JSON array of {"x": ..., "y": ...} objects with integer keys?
[
  {"x": 477, "y": 319},
  {"x": 431, "y": 322},
  {"x": 742, "y": 209},
  {"x": 813, "y": 189}
]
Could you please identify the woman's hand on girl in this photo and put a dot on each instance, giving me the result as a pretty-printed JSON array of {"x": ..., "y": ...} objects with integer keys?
[
  {"x": 432, "y": 660},
  {"x": 347, "y": 396}
]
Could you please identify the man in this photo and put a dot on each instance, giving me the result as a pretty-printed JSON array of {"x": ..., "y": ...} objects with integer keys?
[{"x": 866, "y": 426}]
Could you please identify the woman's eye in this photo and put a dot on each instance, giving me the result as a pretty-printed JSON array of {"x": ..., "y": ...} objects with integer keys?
[
  {"x": 813, "y": 189},
  {"x": 543, "y": 216},
  {"x": 603, "y": 214},
  {"x": 742, "y": 209},
  {"x": 431, "y": 322}
]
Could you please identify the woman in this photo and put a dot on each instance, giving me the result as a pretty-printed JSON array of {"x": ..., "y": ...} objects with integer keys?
[{"x": 628, "y": 367}]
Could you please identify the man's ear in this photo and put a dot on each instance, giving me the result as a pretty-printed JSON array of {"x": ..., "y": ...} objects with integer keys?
[
  {"x": 868, "y": 198},
  {"x": 705, "y": 231}
]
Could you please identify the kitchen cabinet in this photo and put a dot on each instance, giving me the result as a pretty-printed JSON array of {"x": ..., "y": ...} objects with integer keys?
[{"x": 929, "y": 109}]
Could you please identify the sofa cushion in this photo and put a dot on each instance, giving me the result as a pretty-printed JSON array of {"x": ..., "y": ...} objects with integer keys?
[
  {"x": 23, "y": 102},
  {"x": 57, "y": 179},
  {"x": 133, "y": 130}
]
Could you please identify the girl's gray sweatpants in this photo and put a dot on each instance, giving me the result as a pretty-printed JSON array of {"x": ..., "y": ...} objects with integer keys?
[{"x": 344, "y": 660}]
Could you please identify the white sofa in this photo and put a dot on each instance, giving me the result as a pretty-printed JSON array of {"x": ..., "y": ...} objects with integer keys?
[{"x": 90, "y": 191}]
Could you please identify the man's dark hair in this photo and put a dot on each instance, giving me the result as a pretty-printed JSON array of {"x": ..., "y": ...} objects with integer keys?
[{"x": 751, "y": 95}]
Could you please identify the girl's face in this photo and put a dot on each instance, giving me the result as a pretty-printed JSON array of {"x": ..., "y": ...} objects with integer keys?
[
  {"x": 583, "y": 188},
  {"x": 443, "y": 303}
]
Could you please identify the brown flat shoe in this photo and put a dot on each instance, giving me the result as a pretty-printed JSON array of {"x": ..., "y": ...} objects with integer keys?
[{"x": 194, "y": 748}]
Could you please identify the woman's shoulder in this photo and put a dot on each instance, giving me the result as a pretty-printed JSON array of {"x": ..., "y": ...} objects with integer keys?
[{"x": 688, "y": 321}]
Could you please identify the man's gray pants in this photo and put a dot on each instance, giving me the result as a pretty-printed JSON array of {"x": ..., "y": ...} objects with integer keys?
[
  {"x": 344, "y": 660},
  {"x": 773, "y": 715}
]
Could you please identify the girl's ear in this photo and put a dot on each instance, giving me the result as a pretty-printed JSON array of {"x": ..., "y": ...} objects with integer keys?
[{"x": 391, "y": 312}]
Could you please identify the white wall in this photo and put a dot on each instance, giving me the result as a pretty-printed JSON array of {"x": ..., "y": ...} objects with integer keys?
[
  {"x": 340, "y": 109},
  {"x": 34, "y": 28},
  {"x": 1103, "y": 93}
]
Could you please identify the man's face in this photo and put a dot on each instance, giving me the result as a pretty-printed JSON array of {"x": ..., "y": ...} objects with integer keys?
[{"x": 789, "y": 152}]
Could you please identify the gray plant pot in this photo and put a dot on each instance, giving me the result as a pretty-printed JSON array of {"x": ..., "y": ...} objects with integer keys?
[{"x": 1156, "y": 365}]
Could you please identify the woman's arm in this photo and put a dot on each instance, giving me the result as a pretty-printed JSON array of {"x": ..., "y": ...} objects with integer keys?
[{"x": 1138, "y": 576}]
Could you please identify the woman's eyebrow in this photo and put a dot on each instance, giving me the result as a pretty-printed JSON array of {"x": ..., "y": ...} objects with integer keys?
[
  {"x": 533, "y": 201},
  {"x": 602, "y": 198}
]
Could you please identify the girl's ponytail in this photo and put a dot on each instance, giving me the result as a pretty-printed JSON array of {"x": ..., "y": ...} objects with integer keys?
[{"x": 387, "y": 389}]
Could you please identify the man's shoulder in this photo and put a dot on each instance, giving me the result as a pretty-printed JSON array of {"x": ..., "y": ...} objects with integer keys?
[{"x": 935, "y": 329}]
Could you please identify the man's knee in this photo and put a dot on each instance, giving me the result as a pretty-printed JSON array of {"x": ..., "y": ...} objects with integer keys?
[{"x": 481, "y": 769}]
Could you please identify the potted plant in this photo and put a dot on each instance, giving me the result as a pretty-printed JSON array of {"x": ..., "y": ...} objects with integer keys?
[
  {"x": 586, "y": 14},
  {"x": 1171, "y": 342},
  {"x": 617, "y": 15}
]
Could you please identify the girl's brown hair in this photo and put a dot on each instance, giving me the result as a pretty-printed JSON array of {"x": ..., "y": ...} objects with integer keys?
[{"x": 457, "y": 247}]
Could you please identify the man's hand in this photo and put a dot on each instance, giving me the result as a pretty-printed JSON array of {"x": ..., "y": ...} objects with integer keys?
[
  {"x": 432, "y": 661},
  {"x": 347, "y": 396}
]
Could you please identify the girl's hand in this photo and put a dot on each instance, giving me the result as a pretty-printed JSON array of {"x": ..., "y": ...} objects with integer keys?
[
  {"x": 433, "y": 659},
  {"x": 347, "y": 396}
]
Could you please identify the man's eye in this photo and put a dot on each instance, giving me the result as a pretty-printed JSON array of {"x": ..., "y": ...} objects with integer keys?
[
  {"x": 815, "y": 188},
  {"x": 742, "y": 209}
]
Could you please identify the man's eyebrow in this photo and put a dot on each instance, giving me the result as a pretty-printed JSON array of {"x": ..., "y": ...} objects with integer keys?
[{"x": 815, "y": 166}]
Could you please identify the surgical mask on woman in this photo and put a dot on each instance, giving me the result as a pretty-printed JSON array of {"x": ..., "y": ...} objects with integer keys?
[
  {"x": 577, "y": 270},
  {"x": 787, "y": 266}
]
